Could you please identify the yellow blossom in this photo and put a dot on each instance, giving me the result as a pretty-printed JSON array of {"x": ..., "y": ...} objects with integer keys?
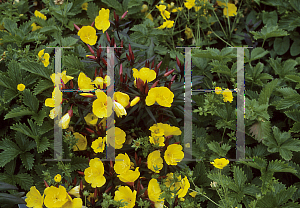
[
  {"x": 154, "y": 191},
  {"x": 189, "y": 4},
  {"x": 40, "y": 15},
  {"x": 193, "y": 194},
  {"x": 62, "y": 76},
  {"x": 144, "y": 8},
  {"x": 35, "y": 27},
  {"x": 84, "y": 82},
  {"x": 121, "y": 98},
  {"x": 218, "y": 90},
  {"x": 170, "y": 130},
  {"x": 120, "y": 137},
  {"x": 124, "y": 193},
  {"x": 144, "y": 74},
  {"x": 21, "y": 87},
  {"x": 129, "y": 175},
  {"x": 173, "y": 154},
  {"x": 220, "y": 163},
  {"x": 98, "y": 145},
  {"x": 94, "y": 173},
  {"x": 73, "y": 203},
  {"x": 34, "y": 198},
  {"x": 57, "y": 178},
  {"x": 154, "y": 160},
  {"x": 184, "y": 187},
  {"x": 166, "y": 24},
  {"x": 157, "y": 130},
  {"x": 84, "y": 6},
  {"x": 75, "y": 191},
  {"x": 227, "y": 95},
  {"x": 81, "y": 143},
  {"x": 177, "y": 9},
  {"x": 231, "y": 10},
  {"x": 44, "y": 58},
  {"x": 188, "y": 32},
  {"x": 162, "y": 95},
  {"x": 157, "y": 140},
  {"x": 64, "y": 121},
  {"x": 102, "y": 20},
  {"x": 176, "y": 185},
  {"x": 100, "y": 105},
  {"x": 91, "y": 119},
  {"x": 119, "y": 109},
  {"x": 55, "y": 197},
  {"x": 122, "y": 163},
  {"x": 149, "y": 16},
  {"x": 88, "y": 35}
]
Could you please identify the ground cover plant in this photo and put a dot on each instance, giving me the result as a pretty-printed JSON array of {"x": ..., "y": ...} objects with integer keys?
[{"x": 148, "y": 87}]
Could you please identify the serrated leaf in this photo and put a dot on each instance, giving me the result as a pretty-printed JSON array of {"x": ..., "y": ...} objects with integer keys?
[
  {"x": 24, "y": 180},
  {"x": 10, "y": 25},
  {"x": 8, "y": 95},
  {"x": 270, "y": 18},
  {"x": 30, "y": 100},
  {"x": 24, "y": 129},
  {"x": 43, "y": 145},
  {"x": 72, "y": 61},
  {"x": 293, "y": 114},
  {"x": 27, "y": 160},
  {"x": 260, "y": 130},
  {"x": 296, "y": 127},
  {"x": 258, "y": 53},
  {"x": 280, "y": 166},
  {"x": 268, "y": 32},
  {"x": 79, "y": 163},
  {"x": 39, "y": 117},
  {"x": 69, "y": 41},
  {"x": 239, "y": 177},
  {"x": 282, "y": 45},
  {"x": 36, "y": 68},
  {"x": 6, "y": 82},
  {"x": 18, "y": 111},
  {"x": 114, "y": 4},
  {"x": 42, "y": 86},
  {"x": 92, "y": 11},
  {"x": 266, "y": 92},
  {"x": 288, "y": 102},
  {"x": 48, "y": 29},
  {"x": 14, "y": 72},
  {"x": 7, "y": 155}
]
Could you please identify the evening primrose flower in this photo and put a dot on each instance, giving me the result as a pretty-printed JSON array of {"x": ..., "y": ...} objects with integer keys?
[
  {"x": 73, "y": 203},
  {"x": 218, "y": 90},
  {"x": 134, "y": 101},
  {"x": 122, "y": 163},
  {"x": 81, "y": 143},
  {"x": 62, "y": 76},
  {"x": 129, "y": 176},
  {"x": 184, "y": 187},
  {"x": 57, "y": 178},
  {"x": 124, "y": 193},
  {"x": 84, "y": 82},
  {"x": 35, "y": 27},
  {"x": 193, "y": 194},
  {"x": 88, "y": 35},
  {"x": 100, "y": 105},
  {"x": 189, "y": 4},
  {"x": 84, "y": 6},
  {"x": 157, "y": 140},
  {"x": 164, "y": 13},
  {"x": 166, "y": 24},
  {"x": 98, "y": 145},
  {"x": 170, "y": 130},
  {"x": 157, "y": 130},
  {"x": 50, "y": 102},
  {"x": 55, "y": 197},
  {"x": 154, "y": 191},
  {"x": 144, "y": 74},
  {"x": 44, "y": 58},
  {"x": 162, "y": 95},
  {"x": 119, "y": 109},
  {"x": 220, "y": 163},
  {"x": 102, "y": 20},
  {"x": 75, "y": 191},
  {"x": 154, "y": 160},
  {"x": 21, "y": 87},
  {"x": 121, "y": 98},
  {"x": 40, "y": 15},
  {"x": 227, "y": 95},
  {"x": 173, "y": 154},
  {"x": 177, "y": 9},
  {"x": 91, "y": 119},
  {"x": 120, "y": 137},
  {"x": 188, "y": 32},
  {"x": 34, "y": 198},
  {"x": 231, "y": 11},
  {"x": 176, "y": 185},
  {"x": 94, "y": 173},
  {"x": 65, "y": 120}
]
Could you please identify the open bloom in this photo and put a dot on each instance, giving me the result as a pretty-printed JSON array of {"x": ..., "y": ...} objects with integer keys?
[
  {"x": 164, "y": 13},
  {"x": 189, "y": 4},
  {"x": 62, "y": 76},
  {"x": 55, "y": 197},
  {"x": 91, "y": 119},
  {"x": 231, "y": 11},
  {"x": 120, "y": 137},
  {"x": 57, "y": 178},
  {"x": 144, "y": 74},
  {"x": 154, "y": 191},
  {"x": 124, "y": 193},
  {"x": 21, "y": 87},
  {"x": 166, "y": 24},
  {"x": 100, "y": 105},
  {"x": 102, "y": 20},
  {"x": 84, "y": 6},
  {"x": 88, "y": 35},
  {"x": 94, "y": 173},
  {"x": 154, "y": 160},
  {"x": 218, "y": 90},
  {"x": 81, "y": 143},
  {"x": 119, "y": 109},
  {"x": 170, "y": 130},
  {"x": 98, "y": 145},
  {"x": 173, "y": 154},
  {"x": 162, "y": 95},
  {"x": 40, "y": 15},
  {"x": 184, "y": 187},
  {"x": 34, "y": 198},
  {"x": 220, "y": 163},
  {"x": 227, "y": 96},
  {"x": 122, "y": 163},
  {"x": 129, "y": 175},
  {"x": 170, "y": 180},
  {"x": 73, "y": 203},
  {"x": 157, "y": 130},
  {"x": 121, "y": 98},
  {"x": 44, "y": 58},
  {"x": 75, "y": 191}
]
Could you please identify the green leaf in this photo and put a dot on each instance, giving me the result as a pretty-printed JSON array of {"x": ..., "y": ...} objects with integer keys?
[
  {"x": 258, "y": 53},
  {"x": 18, "y": 111},
  {"x": 282, "y": 45},
  {"x": 69, "y": 41},
  {"x": 24, "y": 180},
  {"x": 39, "y": 117},
  {"x": 6, "y": 186},
  {"x": 295, "y": 48},
  {"x": 72, "y": 61},
  {"x": 14, "y": 72},
  {"x": 150, "y": 50},
  {"x": 92, "y": 11},
  {"x": 219, "y": 150},
  {"x": 42, "y": 86},
  {"x": 150, "y": 113},
  {"x": 10, "y": 25},
  {"x": 8, "y": 95},
  {"x": 114, "y": 4},
  {"x": 295, "y": 4},
  {"x": 27, "y": 160},
  {"x": 266, "y": 92},
  {"x": 79, "y": 163},
  {"x": 280, "y": 166},
  {"x": 30, "y": 100},
  {"x": 10, "y": 199},
  {"x": 24, "y": 129},
  {"x": 8, "y": 154},
  {"x": 288, "y": 102},
  {"x": 268, "y": 32},
  {"x": 258, "y": 163},
  {"x": 6, "y": 82},
  {"x": 270, "y": 18},
  {"x": 293, "y": 114},
  {"x": 37, "y": 68},
  {"x": 239, "y": 177},
  {"x": 48, "y": 29},
  {"x": 296, "y": 127}
]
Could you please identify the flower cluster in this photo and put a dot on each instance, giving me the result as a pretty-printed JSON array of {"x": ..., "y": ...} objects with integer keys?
[
  {"x": 227, "y": 94},
  {"x": 159, "y": 131},
  {"x": 166, "y": 15}
]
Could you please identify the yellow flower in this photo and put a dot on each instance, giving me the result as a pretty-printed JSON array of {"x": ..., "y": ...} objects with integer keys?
[
  {"x": 102, "y": 21},
  {"x": 197, "y": 8},
  {"x": 94, "y": 173},
  {"x": 154, "y": 191},
  {"x": 98, "y": 82},
  {"x": 184, "y": 187},
  {"x": 124, "y": 193},
  {"x": 231, "y": 10},
  {"x": 177, "y": 9},
  {"x": 50, "y": 102},
  {"x": 162, "y": 95},
  {"x": 84, "y": 6},
  {"x": 188, "y": 32},
  {"x": 170, "y": 130},
  {"x": 157, "y": 140},
  {"x": 193, "y": 194},
  {"x": 122, "y": 166},
  {"x": 55, "y": 197},
  {"x": 98, "y": 145},
  {"x": 21, "y": 87},
  {"x": 44, "y": 58},
  {"x": 121, "y": 98},
  {"x": 220, "y": 163},
  {"x": 35, "y": 27},
  {"x": 57, "y": 178},
  {"x": 227, "y": 96},
  {"x": 119, "y": 138},
  {"x": 175, "y": 185},
  {"x": 40, "y": 15},
  {"x": 144, "y": 74},
  {"x": 88, "y": 35},
  {"x": 119, "y": 109},
  {"x": 34, "y": 198},
  {"x": 92, "y": 196},
  {"x": 173, "y": 154},
  {"x": 129, "y": 175},
  {"x": 166, "y": 24},
  {"x": 84, "y": 82},
  {"x": 100, "y": 105},
  {"x": 218, "y": 90},
  {"x": 81, "y": 143},
  {"x": 73, "y": 203},
  {"x": 134, "y": 101},
  {"x": 149, "y": 16},
  {"x": 107, "y": 80},
  {"x": 157, "y": 130},
  {"x": 171, "y": 6},
  {"x": 221, "y": 3},
  {"x": 189, "y": 4},
  {"x": 64, "y": 121},
  {"x": 91, "y": 119},
  {"x": 144, "y": 8},
  {"x": 75, "y": 191},
  {"x": 62, "y": 76},
  {"x": 154, "y": 160}
]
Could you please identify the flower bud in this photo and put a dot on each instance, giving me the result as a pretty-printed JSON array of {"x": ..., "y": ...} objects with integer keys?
[
  {"x": 168, "y": 73},
  {"x": 134, "y": 101},
  {"x": 107, "y": 36},
  {"x": 124, "y": 15},
  {"x": 76, "y": 27}
]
